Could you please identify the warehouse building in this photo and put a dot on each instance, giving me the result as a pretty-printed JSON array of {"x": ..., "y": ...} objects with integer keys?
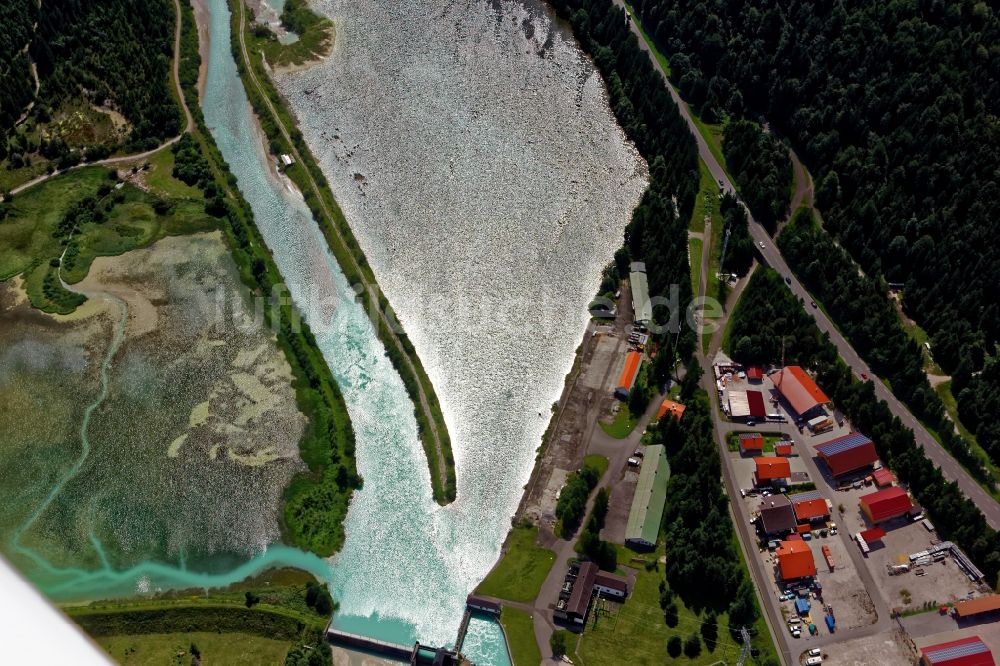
[
  {"x": 969, "y": 651},
  {"x": 746, "y": 405},
  {"x": 770, "y": 469},
  {"x": 629, "y": 373},
  {"x": 643, "y": 526},
  {"x": 883, "y": 477},
  {"x": 988, "y": 604},
  {"x": 809, "y": 506},
  {"x": 798, "y": 389},
  {"x": 795, "y": 560},
  {"x": 641, "y": 305},
  {"x": 886, "y": 504},
  {"x": 777, "y": 515},
  {"x": 847, "y": 454}
]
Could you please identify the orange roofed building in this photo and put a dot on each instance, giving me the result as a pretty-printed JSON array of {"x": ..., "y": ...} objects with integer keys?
[
  {"x": 795, "y": 560},
  {"x": 668, "y": 406},
  {"x": 798, "y": 389},
  {"x": 769, "y": 469},
  {"x": 627, "y": 379}
]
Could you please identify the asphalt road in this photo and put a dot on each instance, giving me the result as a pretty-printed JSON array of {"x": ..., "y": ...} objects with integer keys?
[{"x": 772, "y": 256}]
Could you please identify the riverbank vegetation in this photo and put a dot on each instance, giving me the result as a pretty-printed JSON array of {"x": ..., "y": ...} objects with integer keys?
[
  {"x": 316, "y": 501},
  {"x": 309, "y": 178},
  {"x": 273, "y": 605},
  {"x": 315, "y": 36},
  {"x": 768, "y": 312},
  {"x": 762, "y": 168}
]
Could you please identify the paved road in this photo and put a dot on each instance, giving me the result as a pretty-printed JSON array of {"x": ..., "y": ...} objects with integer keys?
[
  {"x": 189, "y": 121},
  {"x": 769, "y": 251}
]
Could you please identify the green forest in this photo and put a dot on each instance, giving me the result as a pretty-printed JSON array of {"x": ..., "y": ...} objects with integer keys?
[
  {"x": 112, "y": 54},
  {"x": 768, "y": 313},
  {"x": 762, "y": 169},
  {"x": 893, "y": 106}
]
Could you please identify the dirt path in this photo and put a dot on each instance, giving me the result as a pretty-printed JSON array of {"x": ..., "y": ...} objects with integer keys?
[
  {"x": 189, "y": 120},
  {"x": 373, "y": 292}
]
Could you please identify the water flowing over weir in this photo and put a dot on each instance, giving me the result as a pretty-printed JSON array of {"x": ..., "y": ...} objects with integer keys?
[
  {"x": 473, "y": 202},
  {"x": 472, "y": 149}
]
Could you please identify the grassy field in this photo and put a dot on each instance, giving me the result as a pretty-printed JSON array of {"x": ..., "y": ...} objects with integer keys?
[
  {"x": 694, "y": 251},
  {"x": 160, "y": 178},
  {"x": 622, "y": 425},
  {"x": 635, "y": 632},
  {"x": 519, "y": 574},
  {"x": 600, "y": 463},
  {"x": 520, "y": 632},
  {"x": 163, "y": 649},
  {"x": 132, "y": 219}
]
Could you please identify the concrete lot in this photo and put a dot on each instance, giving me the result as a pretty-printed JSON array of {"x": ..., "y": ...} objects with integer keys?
[
  {"x": 622, "y": 493},
  {"x": 886, "y": 649}
]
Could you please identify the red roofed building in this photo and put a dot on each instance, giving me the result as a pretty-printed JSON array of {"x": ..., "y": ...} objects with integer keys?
[
  {"x": 848, "y": 454},
  {"x": 873, "y": 534},
  {"x": 755, "y": 373},
  {"x": 771, "y": 469},
  {"x": 751, "y": 442},
  {"x": 969, "y": 651},
  {"x": 886, "y": 504},
  {"x": 668, "y": 406},
  {"x": 798, "y": 389},
  {"x": 810, "y": 505},
  {"x": 795, "y": 560},
  {"x": 627, "y": 379},
  {"x": 783, "y": 448},
  {"x": 883, "y": 477}
]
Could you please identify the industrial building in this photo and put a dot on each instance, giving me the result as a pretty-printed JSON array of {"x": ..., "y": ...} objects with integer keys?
[
  {"x": 969, "y": 651},
  {"x": 809, "y": 506},
  {"x": 629, "y": 373},
  {"x": 644, "y": 517},
  {"x": 755, "y": 374},
  {"x": 798, "y": 389},
  {"x": 641, "y": 305},
  {"x": 590, "y": 579},
  {"x": 668, "y": 406},
  {"x": 770, "y": 469},
  {"x": 847, "y": 454},
  {"x": 777, "y": 515},
  {"x": 746, "y": 404},
  {"x": 751, "y": 443},
  {"x": 988, "y": 604},
  {"x": 886, "y": 504},
  {"x": 795, "y": 560}
]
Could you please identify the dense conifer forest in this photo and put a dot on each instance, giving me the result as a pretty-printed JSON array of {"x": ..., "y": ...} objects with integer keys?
[
  {"x": 894, "y": 108},
  {"x": 112, "y": 53}
]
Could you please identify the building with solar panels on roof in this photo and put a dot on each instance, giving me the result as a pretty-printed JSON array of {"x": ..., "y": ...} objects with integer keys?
[
  {"x": 970, "y": 651},
  {"x": 850, "y": 453}
]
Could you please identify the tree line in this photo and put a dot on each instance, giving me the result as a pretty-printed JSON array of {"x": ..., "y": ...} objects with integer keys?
[
  {"x": 657, "y": 232},
  {"x": 768, "y": 313},
  {"x": 869, "y": 319},
  {"x": 762, "y": 168}
]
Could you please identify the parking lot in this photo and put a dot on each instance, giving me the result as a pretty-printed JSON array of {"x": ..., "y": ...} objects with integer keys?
[{"x": 892, "y": 647}]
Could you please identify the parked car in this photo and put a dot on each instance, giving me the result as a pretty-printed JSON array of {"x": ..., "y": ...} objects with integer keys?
[
  {"x": 815, "y": 652},
  {"x": 638, "y": 453},
  {"x": 788, "y": 280},
  {"x": 761, "y": 244},
  {"x": 634, "y": 462},
  {"x": 812, "y": 661},
  {"x": 812, "y": 303}
]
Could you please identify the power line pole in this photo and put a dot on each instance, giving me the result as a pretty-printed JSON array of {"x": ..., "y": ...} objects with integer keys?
[{"x": 745, "y": 650}]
